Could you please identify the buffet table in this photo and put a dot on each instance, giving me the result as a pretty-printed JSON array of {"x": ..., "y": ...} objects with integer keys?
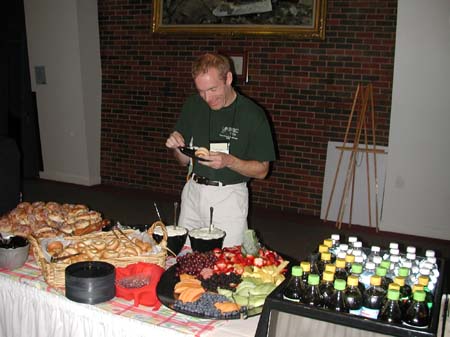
[{"x": 32, "y": 308}]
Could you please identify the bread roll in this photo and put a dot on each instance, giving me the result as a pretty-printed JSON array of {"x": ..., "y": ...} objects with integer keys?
[
  {"x": 55, "y": 247},
  {"x": 201, "y": 152}
]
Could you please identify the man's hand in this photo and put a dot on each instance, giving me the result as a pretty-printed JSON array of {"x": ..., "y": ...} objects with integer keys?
[
  {"x": 248, "y": 168},
  {"x": 174, "y": 141}
]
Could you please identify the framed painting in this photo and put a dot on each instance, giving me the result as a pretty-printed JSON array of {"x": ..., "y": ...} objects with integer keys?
[
  {"x": 302, "y": 18},
  {"x": 239, "y": 64}
]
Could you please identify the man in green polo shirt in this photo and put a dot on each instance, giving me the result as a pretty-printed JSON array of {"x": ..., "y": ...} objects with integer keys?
[{"x": 238, "y": 136}]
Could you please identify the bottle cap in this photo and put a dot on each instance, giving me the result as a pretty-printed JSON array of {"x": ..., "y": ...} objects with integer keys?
[
  {"x": 357, "y": 244},
  {"x": 323, "y": 248},
  {"x": 417, "y": 287},
  {"x": 330, "y": 267},
  {"x": 411, "y": 249},
  {"x": 411, "y": 256},
  {"x": 313, "y": 279},
  {"x": 380, "y": 271},
  {"x": 393, "y": 295},
  {"x": 394, "y": 286},
  {"x": 430, "y": 253},
  {"x": 340, "y": 263},
  {"x": 357, "y": 252},
  {"x": 393, "y": 245},
  {"x": 385, "y": 264},
  {"x": 370, "y": 265},
  {"x": 375, "y": 280},
  {"x": 349, "y": 258},
  {"x": 394, "y": 251},
  {"x": 353, "y": 280},
  {"x": 423, "y": 280},
  {"x": 394, "y": 258},
  {"x": 377, "y": 259},
  {"x": 419, "y": 295},
  {"x": 403, "y": 271},
  {"x": 399, "y": 280},
  {"x": 360, "y": 259},
  {"x": 297, "y": 271},
  {"x": 325, "y": 256},
  {"x": 339, "y": 284},
  {"x": 328, "y": 276},
  {"x": 424, "y": 271},
  {"x": 352, "y": 239},
  {"x": 427, "y": 265},
  {"x": 343, "y": 247},
  {"x": 432, "y": 260},
  {"x": 306, "y": 266},
  {"x": 375, "y": 249},
  {"x": 328, "y": 243},
  {"x": 407, "y": 264},
  {"x": 335, "y": 237},
  {"x": 356, "y": 268}
]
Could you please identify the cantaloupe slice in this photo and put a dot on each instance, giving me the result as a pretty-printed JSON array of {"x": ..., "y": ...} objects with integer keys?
[{"x": 191, "y": 294}]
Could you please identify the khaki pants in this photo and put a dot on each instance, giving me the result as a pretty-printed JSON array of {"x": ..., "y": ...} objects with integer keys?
[{"x": 230, "y": 209}]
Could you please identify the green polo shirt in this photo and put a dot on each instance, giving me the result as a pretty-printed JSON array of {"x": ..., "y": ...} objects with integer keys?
[{"x": 243, "y": 125}]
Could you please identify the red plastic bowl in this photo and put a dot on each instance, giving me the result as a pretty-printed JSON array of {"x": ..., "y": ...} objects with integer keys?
[{"x": 145, "y": 295}]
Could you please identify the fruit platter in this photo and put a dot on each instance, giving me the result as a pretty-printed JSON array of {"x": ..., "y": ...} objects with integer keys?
[{"x": 227, "y": 283}]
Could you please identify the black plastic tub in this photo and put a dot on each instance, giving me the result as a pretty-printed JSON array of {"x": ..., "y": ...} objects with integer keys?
[{"x": 90, "y": 282}]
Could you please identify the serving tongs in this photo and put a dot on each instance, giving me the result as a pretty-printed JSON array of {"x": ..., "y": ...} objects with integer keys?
[
  {"x": 117, "y": 227},
  {"x": 5, "y": 241},
  {"x": 61, "y": 258}
]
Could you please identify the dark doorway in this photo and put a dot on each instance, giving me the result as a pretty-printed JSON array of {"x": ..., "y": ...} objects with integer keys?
[{"x": 18, "y": 115}]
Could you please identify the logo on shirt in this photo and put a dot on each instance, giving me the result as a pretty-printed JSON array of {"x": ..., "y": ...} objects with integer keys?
[{"x": 229, "y": 133}]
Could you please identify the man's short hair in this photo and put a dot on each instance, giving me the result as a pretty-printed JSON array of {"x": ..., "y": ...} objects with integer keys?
[{"x": 211, "y": 60}]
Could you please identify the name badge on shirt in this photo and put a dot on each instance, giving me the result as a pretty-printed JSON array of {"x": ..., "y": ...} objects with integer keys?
[{"x": 219, "y": 147}]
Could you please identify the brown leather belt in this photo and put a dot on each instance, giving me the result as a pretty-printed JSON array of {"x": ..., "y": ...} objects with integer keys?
[{"x": 205, "y": 181}]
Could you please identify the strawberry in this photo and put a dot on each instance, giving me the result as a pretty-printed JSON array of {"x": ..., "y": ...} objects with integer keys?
[
  {"x": 258, "y": 262},
  {"x": 217, "y": 252},
  {"x": 221, "y": 264}
]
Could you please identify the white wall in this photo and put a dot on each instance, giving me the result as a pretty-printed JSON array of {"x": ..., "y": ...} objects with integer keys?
[
  {"x": 417, "y": 192},
  {"x": 63, "y": 37}
]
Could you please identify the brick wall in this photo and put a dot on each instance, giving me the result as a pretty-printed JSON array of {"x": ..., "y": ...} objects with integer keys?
[{"x": 306, "y": 87}]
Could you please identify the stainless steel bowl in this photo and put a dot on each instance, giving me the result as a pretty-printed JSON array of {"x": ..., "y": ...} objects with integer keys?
[{"x": 13, "y": 252}]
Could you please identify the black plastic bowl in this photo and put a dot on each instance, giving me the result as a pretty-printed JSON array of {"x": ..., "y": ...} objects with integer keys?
[
  {"x": 174, "y": 242},
  {"x": 205, "y": 245}
]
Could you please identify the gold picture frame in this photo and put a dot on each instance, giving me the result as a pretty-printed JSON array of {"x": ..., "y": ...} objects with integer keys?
[{"x": 300, "y": 19}]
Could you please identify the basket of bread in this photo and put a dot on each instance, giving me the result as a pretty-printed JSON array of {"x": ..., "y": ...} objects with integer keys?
[
  {"x": 119, "y": 247},
  {"x": 51, "y": 219}
]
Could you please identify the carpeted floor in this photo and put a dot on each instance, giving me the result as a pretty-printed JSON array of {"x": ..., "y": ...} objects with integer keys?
[{"x": 293, "y": 235}]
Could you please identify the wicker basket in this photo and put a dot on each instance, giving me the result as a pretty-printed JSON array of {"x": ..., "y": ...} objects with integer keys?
[{"x": 54, "y": 273}]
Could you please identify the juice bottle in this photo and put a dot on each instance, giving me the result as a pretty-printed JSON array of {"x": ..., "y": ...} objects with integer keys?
[
  {"x": 311, "y": 296},
  {"x": 330, "y": 267},
  {"x": 349, "y": 260},
  {"x": 423, "y": 280},
  {"x": 356, "y": 271},
  {"x": 337, "y": 301},
  {"x": 325, "y": 258},
  {"x": 391, "y": 312},
  {"x": 417, "y": 314},
  {"x": 326, "y": 287},
  {"x": 353, "y": 296},
  {"x": 294, "y": 289},
  {"x": 341, "y": 272},
  {"x": 385, "y": 281},
  {"x": 373, "y": 298},
  {"x": 306, "y": 267}
]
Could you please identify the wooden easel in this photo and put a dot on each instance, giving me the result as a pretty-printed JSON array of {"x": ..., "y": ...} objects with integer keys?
[{"x": 364, "y": 94}]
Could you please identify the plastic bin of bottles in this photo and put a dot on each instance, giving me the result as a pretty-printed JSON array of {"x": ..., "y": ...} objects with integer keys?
[{"x": 276, "y": 303}]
